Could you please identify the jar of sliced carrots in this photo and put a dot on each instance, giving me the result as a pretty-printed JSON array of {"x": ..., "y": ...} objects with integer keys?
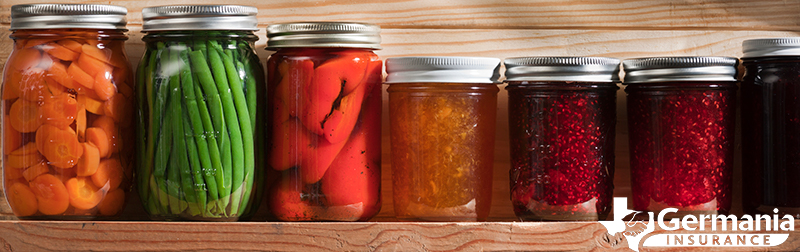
[
  {"x": 325, "y": 113},
  {"x": 199, "y": 82},
  {"x": 67, "y": 98}
]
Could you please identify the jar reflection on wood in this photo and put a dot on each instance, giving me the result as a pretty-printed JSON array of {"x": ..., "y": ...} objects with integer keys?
[
  {"x": 562, "y": 118},
  {"x": 200, "y": 126},
  {"x": 325, "y": 111},
  {"x": 442, "y": 117},
  {"x": 771, "y": 126},
  {"x": 681, "y": 114},
  {"x": 67, "y": 101}
]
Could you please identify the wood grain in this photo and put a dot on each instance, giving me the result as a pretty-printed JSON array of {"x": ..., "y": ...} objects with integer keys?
[{"x": 512, "y": 14}]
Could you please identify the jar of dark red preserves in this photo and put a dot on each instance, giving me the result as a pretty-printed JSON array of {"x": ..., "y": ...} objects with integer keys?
[
  {"x": 562, "y": 118},
  {"x": 68, "y": 105},
  {"x": 324, "y": 121},
  {"x": 681, "y": 114},
  {"x": 771, "y": 126},
  {"x": 442, "y": 116}
]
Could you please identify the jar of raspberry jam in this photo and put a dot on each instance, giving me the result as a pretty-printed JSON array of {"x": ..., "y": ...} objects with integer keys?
[
  {"x": 681, "y": 114},
  {"x": 324, "y": 121},
  {"x": 771, "y": 126},
  {"x": 562, "y": 116},
  {"x": 442, "y": 114}
]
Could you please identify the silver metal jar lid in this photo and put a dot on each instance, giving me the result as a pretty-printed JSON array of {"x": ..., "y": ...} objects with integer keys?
[
  {"x": 442, "y": 69},
  {"x": 200, "y": 17},
  {"x": 59, "y": 16},
  {"x": 324, "y": 34},
  {"x": 771, "y": 47},
  {"x": 583, "y": 69},
  {"x": 667, "y": 69}
]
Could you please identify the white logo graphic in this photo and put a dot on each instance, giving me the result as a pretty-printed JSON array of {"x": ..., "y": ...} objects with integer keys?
[{"x": 763, "y": 230}]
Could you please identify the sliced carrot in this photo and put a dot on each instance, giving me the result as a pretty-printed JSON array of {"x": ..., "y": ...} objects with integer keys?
[
  {"x": 90, "y": 160},
  {"x": 93, "y": 66},
  {"x": 42, "y": 134},
  {"x": 108, "y": 125},
  {"x": 92, "y": 105},
  {"x": 36, "y": 42},
  {"x": 116, "y": 108},
  {"x": 104, "y": 87},
  {"x": 22, "y": 200},
  {"x": 97, "y": 53},
  {"x": 12, "y": 138},
  {"x": 108, "y": 175},
  {"x": 12, "y": 173},
  {"x": 80, "y": 122},
  {"x": 80, "y": 76},
  {"x": 11, "y": 85},
  {"x": 32, "y": 86},
  {"x": 59, "y": 52},
  {"x": 28, "y": 149},
  {"x": 62, "y": 148},
  {"x": 24, "y": 59},
  {"x": 73, "y": 45},
  {"x": 24, "y": 161},
  {"x": 113, "y": 202},
  {"x": 126, "y": 90},
  {"x": 83, "y": 194},
  {"x": 53, "y": 87},
  {"x": 59, "y": 111},
  {"x": 51, "y": 194},
  {"x": 35, "y": 170},
  {"x": 119, "y": 60},
  {"x": 59, "y": 73},
  {"x": 99, "y": 138},
  {"x": 24, "y": 116}
]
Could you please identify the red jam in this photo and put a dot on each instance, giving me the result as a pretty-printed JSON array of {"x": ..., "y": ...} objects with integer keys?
[
  {"x": 681, "y": 140},
  {"x": 562, "y": 149}
]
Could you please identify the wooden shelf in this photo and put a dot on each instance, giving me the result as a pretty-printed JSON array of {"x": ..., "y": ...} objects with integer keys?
[{"x": 282, "y": 236}]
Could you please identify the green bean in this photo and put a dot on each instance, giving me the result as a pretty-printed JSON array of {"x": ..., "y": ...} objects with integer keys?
[
  {"x": 141, "y": 76},
  {"x": 202, "y": 73},
  {"x": 220, "y": 72},
  {"x": 163, "y": 144},
  {"x": 196, "y": 146},
  {"x": 240, "y": 103}
]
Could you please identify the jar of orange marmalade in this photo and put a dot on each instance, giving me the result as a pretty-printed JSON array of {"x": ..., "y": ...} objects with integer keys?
[
  {"x": 443, "y": 112},
  {"x": 67, "y": 96}
]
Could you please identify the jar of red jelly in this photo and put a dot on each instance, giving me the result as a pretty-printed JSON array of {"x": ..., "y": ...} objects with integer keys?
[
  {"x": 771, "y": 126},
  {"x": 681, "y": 114},
  {"x": 324, "y": 121},
  {"x": 68, "y": 105},
  {"x": 442, "y": 116},
  {"x": 562, "y": 117}
]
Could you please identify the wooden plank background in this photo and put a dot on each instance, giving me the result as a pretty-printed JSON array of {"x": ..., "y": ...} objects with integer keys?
[{"x": 502, "y": 29}]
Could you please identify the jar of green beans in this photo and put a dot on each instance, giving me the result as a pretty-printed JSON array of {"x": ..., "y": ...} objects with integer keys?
[{"x": 198, "y": 83}]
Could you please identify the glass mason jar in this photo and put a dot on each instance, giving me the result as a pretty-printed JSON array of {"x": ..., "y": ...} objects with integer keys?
[
  {"x": 771, "y": 126},
  {"x": 442, "y": 117},
  {"x": 681, "y": 115},
  {"x": 325, "y": 129},
  {"x": 67, "y": 97},
  {"x": 198, "y": 86},
  {"x": 562, "y": 118}
]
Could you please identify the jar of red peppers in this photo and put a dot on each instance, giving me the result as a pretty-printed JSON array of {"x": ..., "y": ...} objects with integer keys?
[
  {"x": 681, "y": 114},
  {"x": 67, "y": 112},
  {"x": 324, "y": 126},
  {"x": 771, "y": 126},
  {"x": 442, "y": 117},
  {"x": 562, "y": 118}
]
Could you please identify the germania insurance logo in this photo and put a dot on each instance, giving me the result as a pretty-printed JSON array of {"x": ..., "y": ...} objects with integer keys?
[{"x": 762, "y": 230}]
